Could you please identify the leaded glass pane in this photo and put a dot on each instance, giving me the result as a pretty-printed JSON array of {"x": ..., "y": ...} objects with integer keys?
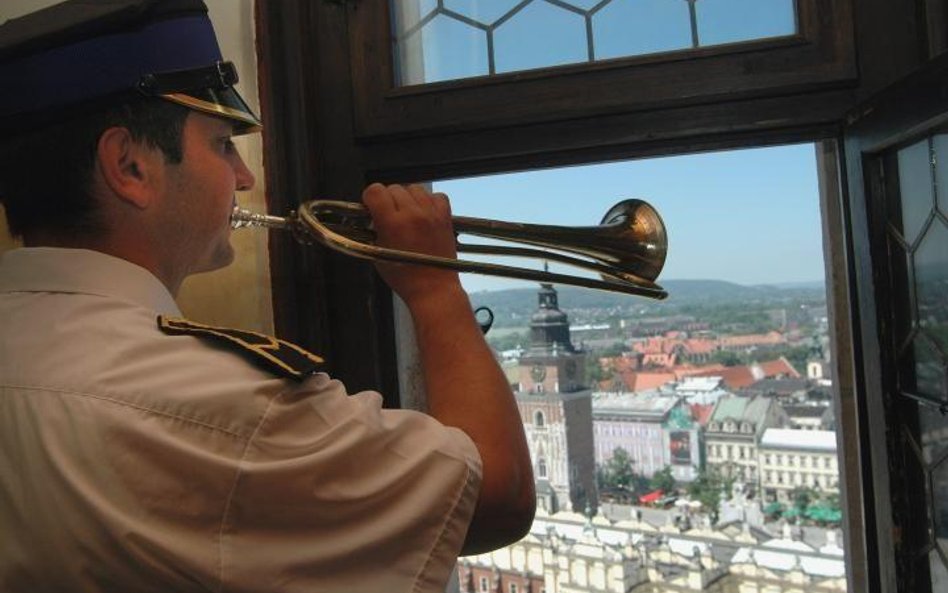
[
  {"x": 636, "y": 27},
  {"x": 929, "y": 369},
  {"x": 514, "y": 35},
  {"x": 931, "y": 281},
  {"x": 729, "y": 21},
  {"x": 933, "y": 427},
  {"x": 482, "y": 11},
  {"x": 940, "y": 149},
  {"x": 540, "y": 35},
  {"x": 463, "y": 51},
  {"x": 915, "y": 187},
  {"x": 408, "y": 15}
]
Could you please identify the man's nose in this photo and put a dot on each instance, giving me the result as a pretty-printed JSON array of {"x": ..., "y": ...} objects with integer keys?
[{"x": 245, "y": 179}]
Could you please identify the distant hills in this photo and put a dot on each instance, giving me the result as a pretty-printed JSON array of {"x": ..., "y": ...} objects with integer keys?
[
  {"x": 511, "y": 304},
  {"x": 679, "y": 291}
]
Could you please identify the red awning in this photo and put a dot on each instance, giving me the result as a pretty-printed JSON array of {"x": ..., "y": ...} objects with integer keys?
[{"x": 651, "y": 497}]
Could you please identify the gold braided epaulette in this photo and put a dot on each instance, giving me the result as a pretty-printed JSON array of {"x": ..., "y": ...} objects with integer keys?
[{"x": 284, "y": 358}]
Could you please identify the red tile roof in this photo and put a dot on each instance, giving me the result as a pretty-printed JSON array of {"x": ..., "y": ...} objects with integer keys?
[{"x": 779, "y": 368}]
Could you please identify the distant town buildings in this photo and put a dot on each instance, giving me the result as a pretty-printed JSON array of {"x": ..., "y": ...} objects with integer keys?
[
  {"x": 571, "y": 553},
  {"x": 701, "y": 390},
  {"x": 762, "y": 428}
]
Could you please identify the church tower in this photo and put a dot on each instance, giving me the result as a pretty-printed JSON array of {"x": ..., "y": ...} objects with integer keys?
[{"x": 556, "y": 408}]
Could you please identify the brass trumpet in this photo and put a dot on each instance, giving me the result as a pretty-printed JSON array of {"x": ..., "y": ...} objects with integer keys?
[{"x": 627, "y": 249}]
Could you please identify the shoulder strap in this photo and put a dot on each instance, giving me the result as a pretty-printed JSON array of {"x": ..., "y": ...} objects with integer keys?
[{"x": 283, "y": 358}]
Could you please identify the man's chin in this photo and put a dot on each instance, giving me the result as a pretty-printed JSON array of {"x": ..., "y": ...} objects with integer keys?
[{"x": 220, "y": 259}]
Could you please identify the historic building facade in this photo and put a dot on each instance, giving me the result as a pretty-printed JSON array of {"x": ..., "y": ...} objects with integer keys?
[
  {"x": 555, "y": 406},
  {"x": 734, "y": 431},
  {"x": 791, "y": 459},
  {"x": 655, "y": 429}
]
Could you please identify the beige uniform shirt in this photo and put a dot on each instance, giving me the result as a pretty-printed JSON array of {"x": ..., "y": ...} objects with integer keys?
[{"x": 131, "y": 460}]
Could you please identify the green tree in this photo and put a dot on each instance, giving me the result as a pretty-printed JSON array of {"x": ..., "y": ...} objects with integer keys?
[
  {"x": 832, "y": 501},
  {"x": 727, "y": 358},
  {"x": 663, "y": 480},
  {"x": 797, "y": 356},
  {"x": 507, "y": 341},
  {"x": 617, "y": 477},
  {"x": 594, "y": 372},
  {"x": 802, "y": 497},
  {"x": 615, "y": 349},
  {"x": 617, "y": 472},
  {"x": 706, "y": 489}
]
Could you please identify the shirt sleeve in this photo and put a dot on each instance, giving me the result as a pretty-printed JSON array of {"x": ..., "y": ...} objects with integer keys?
[{"x": 334, "y": 493}]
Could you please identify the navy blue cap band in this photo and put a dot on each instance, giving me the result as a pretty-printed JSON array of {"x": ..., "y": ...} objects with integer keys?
[{"x": 105, "y": 65}]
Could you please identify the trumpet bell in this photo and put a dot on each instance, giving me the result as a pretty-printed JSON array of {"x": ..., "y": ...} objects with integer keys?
[{"x": 639, "y": 237}]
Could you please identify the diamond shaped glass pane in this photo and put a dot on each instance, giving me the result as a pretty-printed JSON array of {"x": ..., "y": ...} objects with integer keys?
[
  {"x": 933, "y": 432},
  {"x": 915, "y": 186},
  {"x": 931, "y": 283},
  {"x": 461, "y": 52},
  {"x": 927, "y": 373},
  {"x": 728, "y": 21},
  {"x": 940, "y": 147},
  {"x": 540, "y": 35},
  {"x": 482, "y": 11},
  {"x": 636, "y": 27}
]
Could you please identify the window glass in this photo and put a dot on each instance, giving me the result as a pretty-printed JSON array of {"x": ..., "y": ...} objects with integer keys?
[
  {"x": 745, "y": 269},
  {"x": 437, "y": 40},
  {"x": 918, "y": 250}
]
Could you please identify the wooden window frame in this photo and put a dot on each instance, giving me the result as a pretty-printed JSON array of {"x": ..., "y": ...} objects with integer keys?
[{"x": 820, "y": 55}]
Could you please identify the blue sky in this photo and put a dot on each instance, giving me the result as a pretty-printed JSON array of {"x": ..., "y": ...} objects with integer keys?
[{"x": 746, "y": 216}]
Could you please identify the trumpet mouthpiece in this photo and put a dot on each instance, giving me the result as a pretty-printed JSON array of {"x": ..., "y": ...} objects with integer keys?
[{"x": 241, "y": 218}]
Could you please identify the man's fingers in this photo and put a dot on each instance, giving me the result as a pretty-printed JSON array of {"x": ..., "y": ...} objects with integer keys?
[
  {"x": 442, "y": 204},
  {"x": 376, "y": 198}
]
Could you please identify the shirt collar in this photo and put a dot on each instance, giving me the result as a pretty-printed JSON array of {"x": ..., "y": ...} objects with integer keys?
[{"x": 53, "y": 269}]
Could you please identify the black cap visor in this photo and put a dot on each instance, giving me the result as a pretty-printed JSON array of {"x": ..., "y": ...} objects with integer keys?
[
  {"x": 208, "y": 90},
  {"x": 226, "y": 103}
]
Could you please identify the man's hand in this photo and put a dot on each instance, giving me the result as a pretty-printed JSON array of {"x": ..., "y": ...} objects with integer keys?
[{"x": 413, "y": 219}]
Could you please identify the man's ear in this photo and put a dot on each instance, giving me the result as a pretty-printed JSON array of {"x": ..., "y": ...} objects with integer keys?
[{"x": 127, "y": 167}]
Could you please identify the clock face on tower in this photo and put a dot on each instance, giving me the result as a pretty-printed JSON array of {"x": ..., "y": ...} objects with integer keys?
[{"x": 538, "y": 373}]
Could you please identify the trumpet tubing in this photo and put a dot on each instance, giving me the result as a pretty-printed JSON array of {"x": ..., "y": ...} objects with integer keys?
[{"x": 627, "y": 249}]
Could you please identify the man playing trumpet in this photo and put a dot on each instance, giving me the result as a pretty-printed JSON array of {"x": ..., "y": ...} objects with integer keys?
[{"x": 143, "y": 452}]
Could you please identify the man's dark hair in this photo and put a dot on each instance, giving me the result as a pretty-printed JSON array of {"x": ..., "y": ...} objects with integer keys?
[{"x": 46, "y": 174}]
